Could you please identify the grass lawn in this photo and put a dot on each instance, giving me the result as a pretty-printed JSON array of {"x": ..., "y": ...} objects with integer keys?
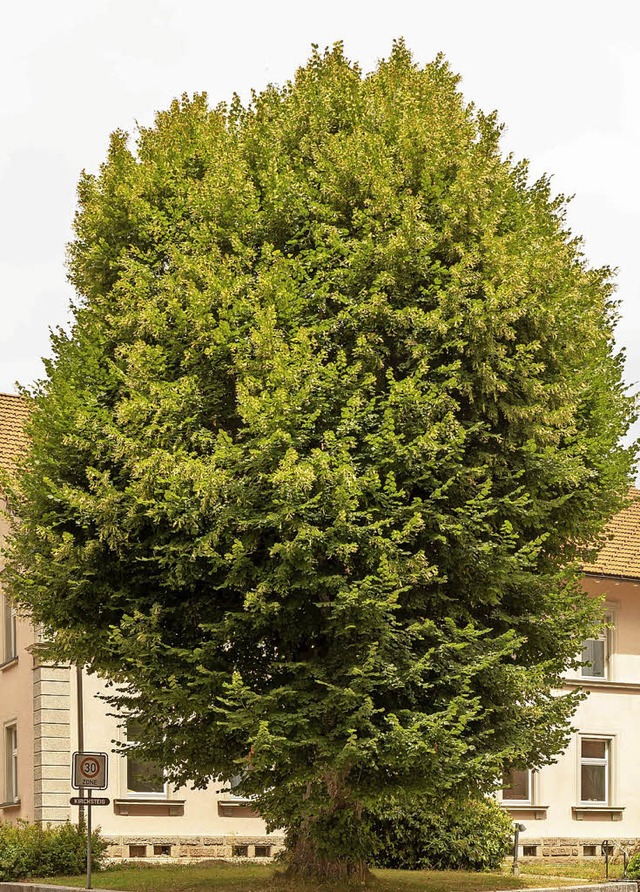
[
  {"x": 222, "y": 877},
  {"x": 591, "y": 869}
]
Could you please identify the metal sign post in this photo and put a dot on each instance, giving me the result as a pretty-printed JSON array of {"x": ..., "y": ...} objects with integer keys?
[
  {"x": 517, "y": 830},
  {"x": 89, "y": 816},
  {"x": 90, "y": 772}
]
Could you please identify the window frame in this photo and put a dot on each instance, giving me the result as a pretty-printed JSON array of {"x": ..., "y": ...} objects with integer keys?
[
  {"x": 132, "y": 794},
  {"x": 9, "y": 630},
  {"x": 233, "y": 783},
  {"x": 514, "y": 803},
  {"x": 605, "y": 762},
  {"x": 608, "y": 641},
  {"x": 586, "y": 671},
  {"x": 11, "y": 756}
]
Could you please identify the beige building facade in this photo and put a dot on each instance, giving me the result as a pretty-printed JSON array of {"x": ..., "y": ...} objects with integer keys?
[{"x": 590, "y": 795}]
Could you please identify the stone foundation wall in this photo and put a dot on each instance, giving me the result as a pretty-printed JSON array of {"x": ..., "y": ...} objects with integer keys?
[
  {"x": 192, "y": 848},
  {"x": 570, "y": 847},
  {"x": 238, "y": 848}
]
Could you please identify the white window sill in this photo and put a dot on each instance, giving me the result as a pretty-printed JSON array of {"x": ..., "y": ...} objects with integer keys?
[
  {"x": 612, "y": 812},
  {"x": 9, "y": 663},
  {"x": 141, "y": 806},
  {"x": 536, "y": 812},
  {"x": 600, "y": 684},
  {"x": 15, "y": 804}
]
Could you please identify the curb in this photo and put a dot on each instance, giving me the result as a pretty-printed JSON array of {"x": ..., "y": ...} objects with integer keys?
[{"x": 616, "y": 886}]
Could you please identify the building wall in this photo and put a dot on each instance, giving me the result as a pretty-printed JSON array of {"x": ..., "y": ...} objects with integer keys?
[
  {"x": 16, "y": 705},
  {"x": 556, "y": 823}
]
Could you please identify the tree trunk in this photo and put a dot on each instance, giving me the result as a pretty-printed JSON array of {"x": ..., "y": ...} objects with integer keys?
[{"x": 306, "y": 862}]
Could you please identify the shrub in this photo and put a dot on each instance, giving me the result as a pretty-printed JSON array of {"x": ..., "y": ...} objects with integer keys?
[
  {"x": 471, "y": 835},
  {"x": 633, "y": 867},
  {"x": 28, "y": 850}
]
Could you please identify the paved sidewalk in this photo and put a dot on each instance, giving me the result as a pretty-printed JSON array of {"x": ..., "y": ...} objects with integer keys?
[{"x": 614, "y": 886}]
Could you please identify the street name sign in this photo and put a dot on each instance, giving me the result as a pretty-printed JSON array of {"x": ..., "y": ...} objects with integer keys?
[
  {"x": 90, "y": 771},
  {"x": 84, "y": 800}
]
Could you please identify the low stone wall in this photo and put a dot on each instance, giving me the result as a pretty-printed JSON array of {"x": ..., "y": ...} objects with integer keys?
[
  {"x": 571, "y": 847},
  {"x": 192, "y": 848}
]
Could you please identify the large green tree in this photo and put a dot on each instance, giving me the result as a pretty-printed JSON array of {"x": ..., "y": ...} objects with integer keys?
[{"x": 338, "y": 413}]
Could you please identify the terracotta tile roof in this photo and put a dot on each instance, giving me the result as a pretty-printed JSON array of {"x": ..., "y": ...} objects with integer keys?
[
  {"x": 13, "y": 413},
  {"x": 620, "y": 555}
]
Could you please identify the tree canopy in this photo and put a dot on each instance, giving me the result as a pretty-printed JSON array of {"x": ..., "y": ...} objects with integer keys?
[{"x": 311, "y": 472}]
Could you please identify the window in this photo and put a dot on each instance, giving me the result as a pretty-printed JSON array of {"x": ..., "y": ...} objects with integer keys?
[
  {"x": 240, "y": 851},
  {"x": 262, "y": 851},
  {"x": 144, "y": 778},
  {"x": 233, "y": 784},
  {"x": 594, "y": 770},
  {"x": 516, "y": 786},
  {"x": 11, "y": 763},
  {"x": 9, "y": 651},
  {"x": 589, "y": 851},
  {"x": 595, "y": 653},
  {"x": 530, "y": 851}
]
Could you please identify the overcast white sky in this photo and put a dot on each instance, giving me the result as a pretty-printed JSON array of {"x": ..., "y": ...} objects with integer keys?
[{"x": 564, "y": 77}]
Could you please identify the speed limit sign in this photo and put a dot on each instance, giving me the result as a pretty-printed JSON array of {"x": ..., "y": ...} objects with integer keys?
[{"x": 89, "y": 771}]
